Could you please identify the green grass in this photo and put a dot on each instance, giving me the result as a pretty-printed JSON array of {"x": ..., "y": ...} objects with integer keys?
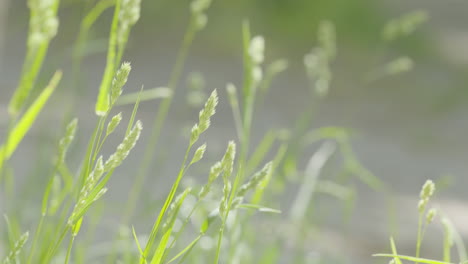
[{"x": 215, "y": 220}]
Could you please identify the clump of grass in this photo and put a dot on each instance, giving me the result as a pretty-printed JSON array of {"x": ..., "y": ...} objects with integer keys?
[{"x": 248, "y": 178}]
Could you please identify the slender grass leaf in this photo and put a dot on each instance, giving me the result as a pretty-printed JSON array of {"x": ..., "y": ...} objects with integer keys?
[
  {"x": 25, "y": 123},
  {"x": 410, "y": 258}
]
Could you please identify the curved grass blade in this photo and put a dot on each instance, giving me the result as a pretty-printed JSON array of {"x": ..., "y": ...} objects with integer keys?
[{"x": 25, "y": 123}]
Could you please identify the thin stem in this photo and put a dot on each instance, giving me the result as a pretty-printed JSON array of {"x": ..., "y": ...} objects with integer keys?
[
  {"x": 70, "y": 245},
  {"x": 53, "y": 249},
  {"x": 187, "y": 248},
  {"x": 36, "y": 236},
  {"x": 3, "y": 157},
  {"x": 220, "y": 238},
  {"x": 420, "y": 234},
  {"x": 166, "y": 205},
  {"x": 182, "y": 228}
]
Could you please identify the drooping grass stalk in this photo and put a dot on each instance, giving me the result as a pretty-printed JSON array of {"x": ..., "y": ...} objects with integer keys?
[{"x": 196, "y": 24}]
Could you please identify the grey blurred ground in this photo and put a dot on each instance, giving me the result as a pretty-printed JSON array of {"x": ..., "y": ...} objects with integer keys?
[{"x": 409, "y": 128}]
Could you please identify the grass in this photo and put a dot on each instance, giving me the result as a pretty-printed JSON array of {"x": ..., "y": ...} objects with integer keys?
[{"x": 215, "y": 221}]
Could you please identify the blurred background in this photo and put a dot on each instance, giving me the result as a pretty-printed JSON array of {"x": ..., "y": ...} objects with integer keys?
[{"x": 406, "y": 126}]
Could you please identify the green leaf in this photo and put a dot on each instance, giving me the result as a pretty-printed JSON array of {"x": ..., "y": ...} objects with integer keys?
[
  {"x": 103, "y": 102},
  {"x": 260, "y": 208},
  {"x": 394, "y": 251},
  {"x": 147, "y": 95},
  {"x": 25, "y": 123},
  {"x": 161, "y": 247},
  {"x": 137, "y": 243}
]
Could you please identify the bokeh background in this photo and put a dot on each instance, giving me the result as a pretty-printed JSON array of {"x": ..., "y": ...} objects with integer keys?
[{"x": 407, "y": 127}]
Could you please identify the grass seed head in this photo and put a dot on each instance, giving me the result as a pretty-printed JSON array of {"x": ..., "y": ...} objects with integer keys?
[
  {"x": 130, "y": 12},
  {"x": 256, "y": 179},
  {"x": 430, "y": 215},
  {"x": 17, "y": 247},
  {"x": 124, "y": 148},
  {"x": 120, "y": 79},
  {"x": 199, "y": 6},
  {"x": 65, "y": 142},
  {"x": 215, "y": 171},
  {"x": 194, "y": 134},
  {"x": 199, "y": 153},
  {"x": 327, "y": 38},
  {"x": 44, "y": 22},
  {"x": 207, "y": 112},
  {"x": 228, "y": 159},
  {"x": 115, "y": 121},
  {"x": 427, "y": 190},
  {"x": 257, "y": 49}
]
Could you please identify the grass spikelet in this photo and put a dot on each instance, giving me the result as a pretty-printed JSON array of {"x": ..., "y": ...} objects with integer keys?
[
  {"x": 404, "y": 25},
  {"x": 317, "y": 62},
  {"x": 257, "y": 49},
  {"x": 43, "y": 23},
  {"x": 86, "y": 190},
  {"x": 256, "y": 179},
  {"x": 427, "y": 191},
  {"x": 65, "y": 142},
  {"x": 194, "y": 134},
  {"x": 227, "y": 164},
  {"x": 198, "y": 8},
  {"x": 112, "y": 125},
  {"x": 327, "y": 38},
  {"x": 207, "y": 112},
  {"x": 198, "y": 154},
  {"x": 399, "y": 65},
  {"x": 124, "y": 148},
  {"x": 119, "y": 81},
  {"x": 128, "y": 16},
  {"x": 228, "y": 159},
  {"x": 430, "y": 215},
  {"x": 215, "y": 171},
  {"x": 11, "y": 257},
  {"x": 174, "y": 208}
]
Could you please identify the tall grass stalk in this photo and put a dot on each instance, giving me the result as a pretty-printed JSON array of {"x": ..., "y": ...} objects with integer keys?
[{"x": 194, "y": 26}]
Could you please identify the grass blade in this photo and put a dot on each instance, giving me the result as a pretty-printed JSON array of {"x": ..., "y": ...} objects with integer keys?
[
  {"x": 103, "y": 104},
  {"x": 25, "y": 123},
  {"x": 410, "y": 258},
  {"x": 151, "y": 94}
]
